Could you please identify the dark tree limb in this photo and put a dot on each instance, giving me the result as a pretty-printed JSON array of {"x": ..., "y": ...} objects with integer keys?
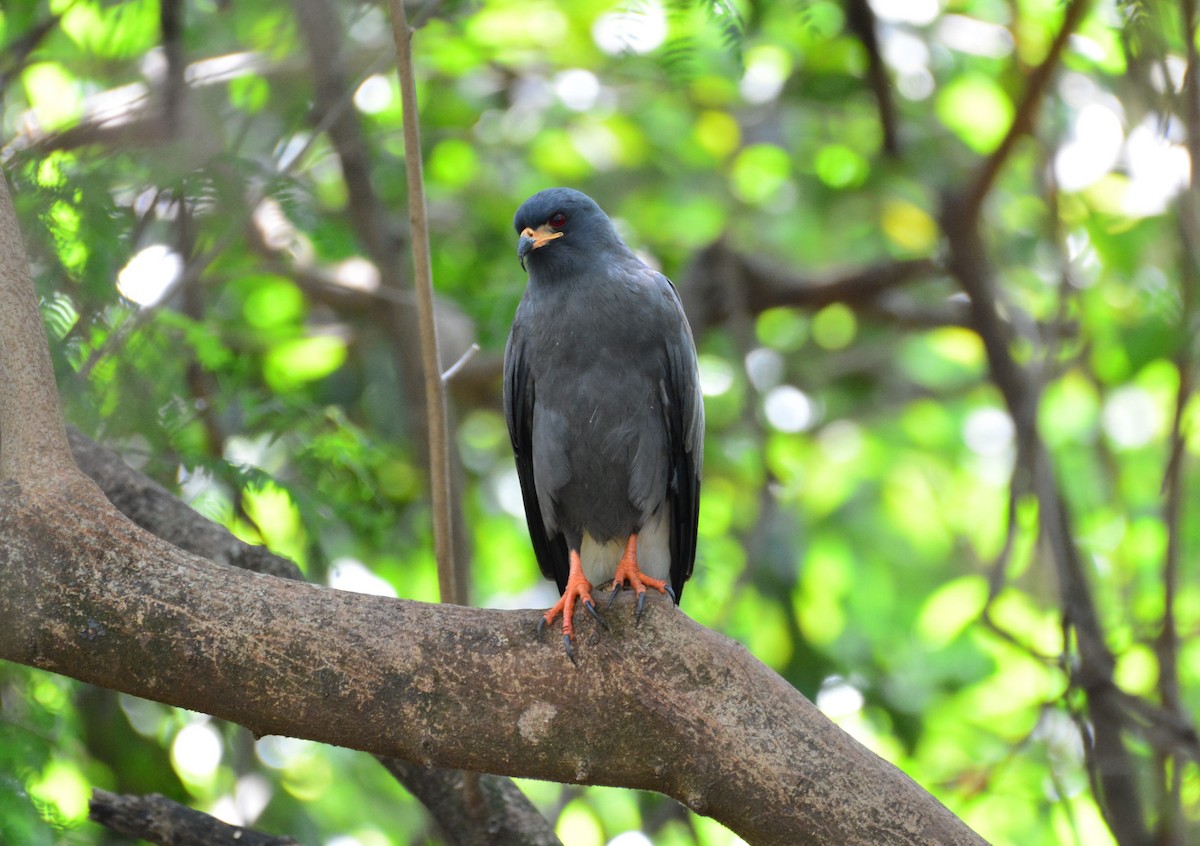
[
  {"x": 1025, "y": 115},
  {"x": 1110, "y": 762},
  {"x": 161, "y": 821},
  {"x": 502, "y": 816},
  {"x": 720, "y": 282},
  {"x": 860, "y": 20}
]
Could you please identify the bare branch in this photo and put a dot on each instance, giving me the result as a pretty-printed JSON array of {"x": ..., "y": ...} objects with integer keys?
[
  {"x": 502, "y": 816},
  {"x": 860, "y": 19},
  {"x": 158, "y": 820},
  {"x": 372, "y": 222},
  {"x": 462, "y": 362},
  {"x": 720, "y": 281},
  {"x": 505, "y": 815},
  {"x": 1026, "y": 111}
]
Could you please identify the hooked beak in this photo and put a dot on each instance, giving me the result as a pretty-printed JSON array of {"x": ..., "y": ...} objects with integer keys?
[{"x": 531, "y": 239}]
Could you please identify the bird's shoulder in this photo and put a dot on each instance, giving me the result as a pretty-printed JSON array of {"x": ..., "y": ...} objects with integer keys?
[{"x": 651, "y": 287}]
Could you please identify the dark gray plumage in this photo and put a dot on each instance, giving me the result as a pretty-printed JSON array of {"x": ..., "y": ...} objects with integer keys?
[{"x": 602, "y": 399}]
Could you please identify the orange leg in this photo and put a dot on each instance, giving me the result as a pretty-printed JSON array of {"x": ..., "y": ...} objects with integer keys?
[
  {"x": 628, "y": 571},
  {"x": 578, "y": 588}
]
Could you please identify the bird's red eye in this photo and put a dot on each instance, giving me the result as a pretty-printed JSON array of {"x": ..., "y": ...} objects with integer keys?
[{"x": 557, "y": 220}]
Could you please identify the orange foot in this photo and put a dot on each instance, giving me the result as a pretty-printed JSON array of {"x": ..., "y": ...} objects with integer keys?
[
  {"x": 578, "y": 587},
  {"x": 628, "y": 571}
]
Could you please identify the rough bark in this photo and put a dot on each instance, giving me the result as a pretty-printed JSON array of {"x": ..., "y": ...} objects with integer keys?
[{"x": 90, "y": 595}]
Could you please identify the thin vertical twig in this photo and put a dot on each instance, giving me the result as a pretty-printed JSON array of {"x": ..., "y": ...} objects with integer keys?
[
  {"x": 435, "y": 389},
  {"x": 435, "y": 383}
]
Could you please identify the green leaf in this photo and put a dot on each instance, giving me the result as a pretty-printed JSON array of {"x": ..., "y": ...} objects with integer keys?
[
  {"x": 54, "y": 94},
  {"x": 759, "y": 173},
  {"x": 288, "y": 365},
  {"x": 950, "y": 609},
  {"x": 977, "y": 110}
]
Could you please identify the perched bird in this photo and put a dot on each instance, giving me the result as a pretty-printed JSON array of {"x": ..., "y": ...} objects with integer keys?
[{"x": 602, "y": 399}]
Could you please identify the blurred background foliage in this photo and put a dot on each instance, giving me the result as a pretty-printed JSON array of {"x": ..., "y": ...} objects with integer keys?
[{"x": 213, "y": 198}]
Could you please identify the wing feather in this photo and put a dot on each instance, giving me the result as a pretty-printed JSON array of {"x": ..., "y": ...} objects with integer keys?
[
  {"x": 684, "y": 408},
  {"x": 519, "y": 405}
]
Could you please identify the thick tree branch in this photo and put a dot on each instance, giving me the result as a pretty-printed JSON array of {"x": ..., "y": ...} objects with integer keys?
[
  {"x": 89, "y": 594},
  {"x": 92, "y": 596}
]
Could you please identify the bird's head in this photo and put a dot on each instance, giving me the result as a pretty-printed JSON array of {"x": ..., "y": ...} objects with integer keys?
[{"x": 561, "y": 228}]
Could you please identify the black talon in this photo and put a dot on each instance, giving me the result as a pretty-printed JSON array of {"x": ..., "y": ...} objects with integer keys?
[
  {"x": 570, "y": 649},
  {"x": 671, "y": 593},
  {"x": 612, "y": 597},
  {"x": 595, "y": 614},
  {"x": 541, "y": 627},
  {"x": 641, "y": 606}
]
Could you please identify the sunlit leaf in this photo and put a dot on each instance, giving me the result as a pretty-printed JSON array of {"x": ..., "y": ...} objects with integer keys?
[
  {"x": 54, "y": 93},
  {"x": 63, "y": 791},
  {"x": 121, "y": 30},
  {"x": 977, "y": 110},
  {"x": 950, "y": 609},
  {"x": 908, "y": 226},
  {"x": 759, "y": 173},
  {"x": 291, "y": 363},
  {"x": 834, "y": 326},
  {"x": 838, "y": 166}
]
